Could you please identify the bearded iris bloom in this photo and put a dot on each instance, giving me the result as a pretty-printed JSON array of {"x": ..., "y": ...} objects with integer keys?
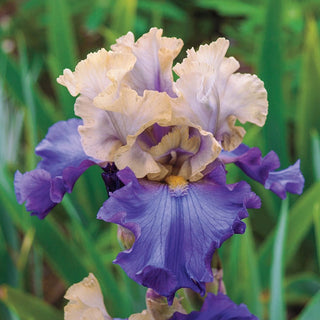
[{"x": 170, "y": 142}]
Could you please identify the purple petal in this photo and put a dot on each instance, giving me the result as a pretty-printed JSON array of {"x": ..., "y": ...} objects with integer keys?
[
  {"x": 289, "y": 179},
  {"x": 62, "y": 153},
  {"x": 34, "y": 187},
  {"x": 176, "y": 231},
  {"x": 262, "y": 169},
  {"x": 217, "y": 307},
  {"x": 63, "y": 162}
]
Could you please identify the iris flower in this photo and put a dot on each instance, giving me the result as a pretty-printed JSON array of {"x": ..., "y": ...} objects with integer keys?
[{"x": 169, "y": 142}]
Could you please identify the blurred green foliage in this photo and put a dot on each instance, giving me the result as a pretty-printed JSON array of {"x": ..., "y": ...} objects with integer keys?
[{"x": 274, "y": 267}]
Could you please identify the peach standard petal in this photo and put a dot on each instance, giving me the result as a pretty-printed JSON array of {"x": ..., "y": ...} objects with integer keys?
[
  {"x": 155, "y": 55},
  {"x": 95, "y": 73},
  {"x": 217, "y": 95}
]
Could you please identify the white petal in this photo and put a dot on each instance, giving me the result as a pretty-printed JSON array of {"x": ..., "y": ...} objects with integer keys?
[
  {"x": 199, "y": 73},
  {"x": 112, "y": 123},
  {"x": 208, "y": 152},
  {"x": 93, "y": 314},
  {"x": 217, "y": 96},
  {"x": 135, "y": 113},
  {"x": 160, "y": 309},
  {"x": 85, "y": 298},
  {"x": 100, "y": 136},
  {"x": 144, "y": 315},
  {"x": 76, "y": 310},
  {"x": 243, "y": 98},
  {"x": 96, "y": 72},
  {"x": 206, "y": 60},
  {"x": 155, "y": 54},
  {"x": 138, "y": 160}
]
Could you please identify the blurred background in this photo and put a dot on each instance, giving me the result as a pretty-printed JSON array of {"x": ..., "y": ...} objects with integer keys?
[{"x": 274, "y": 267}]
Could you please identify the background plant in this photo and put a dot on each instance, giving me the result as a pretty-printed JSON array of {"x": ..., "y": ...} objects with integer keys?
[{"x": 274, "y": 266}]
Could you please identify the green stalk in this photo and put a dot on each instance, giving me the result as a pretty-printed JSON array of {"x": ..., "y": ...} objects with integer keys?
[{"x": 277, "y": 303}]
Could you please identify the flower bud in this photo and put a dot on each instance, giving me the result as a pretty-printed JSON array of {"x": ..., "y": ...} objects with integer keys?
[
  {"x": 125, "y": 237},
  {"x": 159, "y": 308}
]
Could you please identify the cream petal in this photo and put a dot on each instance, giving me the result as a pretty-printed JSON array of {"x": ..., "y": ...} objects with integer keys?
[
  {"x": 96, "y": 72},
  {"x": 177, "y": 138},
  {"x": 160, "y": 309},
  {"x": 155, "y": 54},
  {"x": 117, "y": 123},
  {"x": 207, "y": 153},
  {"x": 210, "y": 148},
  {"x": 190, "y": 102},
  {"x": 199, "y": 73},
  {"x": 218, "y": 96},
  {"x": 144, "y": 315},
  {"x": 124, "y": 43},
  {"x": 138, "y": 160},
  {"x": 76, "y": 310},
  {"x": 206, "y": 60},
  {"x": 243, "y": 98},
  {"x": 136, "y": 113},
  {"x": 85, "y": 298},
  {"x": 92, "y": 314},
  {"x": 100, "y": 135},
  {"x": 69, "y": 80}
]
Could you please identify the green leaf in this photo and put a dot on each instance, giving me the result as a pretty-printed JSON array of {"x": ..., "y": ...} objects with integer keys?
[
  {"x": 25, "y": 249},
  {"x": 98, "y": 14},
  {"x": 93, "y": 262},
  {"x": 316, "y": 220},
  {"x": 10, "y": 130},
  {"x": 163, "y": 8},
  {"x": 308, "y": 111},
  {"x": 299, "y": 223},
  {"x": 31, "y": 122},
  {"x": 12, "y": 78},
  {"x": 66, "y": 261},
  {"x": 61, "y": 37},
  {"x": 62, "y": 48},
  {"x": 271, "y": 72},
  {"x": 229, "y": 7},
  {"x": 277, "y": 304},
  {"x": 312, "y": 310},
  {"x": 123, "y": 16},
  {"x": 242, "y": 273},
  {"x": 9, "y": 243},
  {"x": 300, "y": 220},
  {"x": 27, "y": 306},
  {"x": 315, "y": 141},
  {"x": 300, "y": 288},
  {"x": 71, "y": 262}
]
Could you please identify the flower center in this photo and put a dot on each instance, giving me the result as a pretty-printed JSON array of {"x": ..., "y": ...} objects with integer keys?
[
  {"x": 178, "y": 185},
  {"x": 172, "y": 148},
  {"x": 176, "y": 182}
]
